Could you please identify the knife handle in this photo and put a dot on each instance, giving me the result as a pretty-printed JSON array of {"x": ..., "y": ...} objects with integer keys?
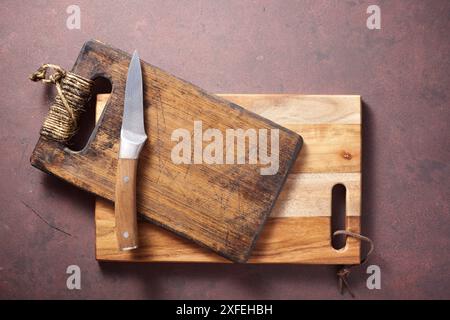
[{"x": 125, "y": 204}]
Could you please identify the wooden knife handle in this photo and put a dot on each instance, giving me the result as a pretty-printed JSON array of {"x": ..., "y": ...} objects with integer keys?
[{"x": 125, "y": 204}]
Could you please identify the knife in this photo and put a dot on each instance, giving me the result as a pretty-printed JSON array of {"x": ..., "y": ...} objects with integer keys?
[{"x": 132, "y": 139}]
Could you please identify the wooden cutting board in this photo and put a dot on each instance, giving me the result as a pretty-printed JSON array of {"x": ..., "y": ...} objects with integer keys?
[
  {"x": 299, "y": 229},
  {"x": 219, "y": 206}
]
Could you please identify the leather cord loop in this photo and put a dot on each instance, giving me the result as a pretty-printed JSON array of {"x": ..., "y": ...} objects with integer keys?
[{"x": 344, "y": 272}]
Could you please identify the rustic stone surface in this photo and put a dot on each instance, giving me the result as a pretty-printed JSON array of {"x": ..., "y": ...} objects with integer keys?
[{"x": 319, "y": 47}]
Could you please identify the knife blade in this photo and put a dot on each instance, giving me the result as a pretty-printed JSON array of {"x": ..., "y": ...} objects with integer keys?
[{"x": 132, "y": 139}]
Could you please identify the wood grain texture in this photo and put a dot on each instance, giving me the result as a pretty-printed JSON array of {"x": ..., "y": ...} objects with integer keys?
[
  {"x": 222, "y": 207},
  {"x": 294, "y": 240},
  {"x": 309, "y": 194},
  {"x": 330, "y": 127},
  {"x": 125, "y": 204},
  {"x": 302, "y": 109},
  {"x": 299, "y": 229}
]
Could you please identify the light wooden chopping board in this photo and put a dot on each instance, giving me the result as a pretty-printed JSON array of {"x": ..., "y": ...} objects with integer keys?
[{"x": 299, "y": 228}]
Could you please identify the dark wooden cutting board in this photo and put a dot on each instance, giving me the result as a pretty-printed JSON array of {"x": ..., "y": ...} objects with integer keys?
[{"x": 222, "y": 207}]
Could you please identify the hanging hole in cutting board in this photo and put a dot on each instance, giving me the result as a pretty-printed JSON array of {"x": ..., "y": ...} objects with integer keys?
[
  {"x": 86, "y": 122},
  {"x": 338, "y": 207}
]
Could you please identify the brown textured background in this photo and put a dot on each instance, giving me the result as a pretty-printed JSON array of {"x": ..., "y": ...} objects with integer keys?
[{"x": 312, "y": 47}]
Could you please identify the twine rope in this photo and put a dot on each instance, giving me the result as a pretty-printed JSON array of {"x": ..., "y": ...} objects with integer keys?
[
  {"x": 344, "y": 272},
  {"x": 73, "y": 91}
]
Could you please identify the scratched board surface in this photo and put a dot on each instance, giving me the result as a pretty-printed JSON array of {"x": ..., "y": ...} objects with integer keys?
[
  {"x": 299, "y": 228},
  {"x": 221, "y": 207}
]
